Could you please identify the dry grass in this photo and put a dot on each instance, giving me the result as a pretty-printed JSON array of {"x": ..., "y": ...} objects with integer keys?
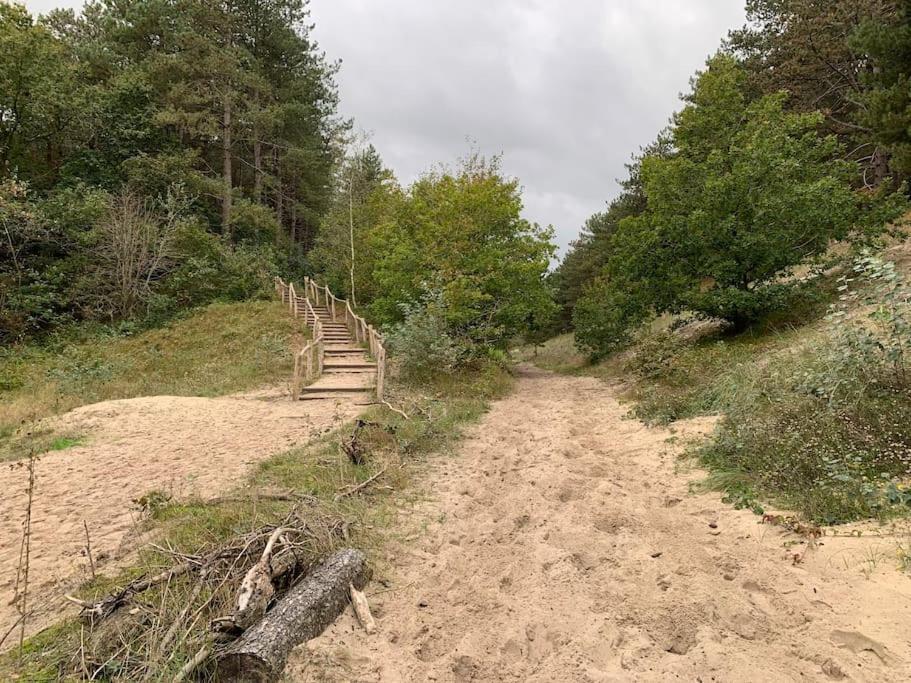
[{"x": 217, "y": 350}]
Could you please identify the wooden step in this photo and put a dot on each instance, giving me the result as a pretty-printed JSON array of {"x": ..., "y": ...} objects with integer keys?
[
  {"x": 348, "y": 388},
  {"x": 316, "y": 396}
]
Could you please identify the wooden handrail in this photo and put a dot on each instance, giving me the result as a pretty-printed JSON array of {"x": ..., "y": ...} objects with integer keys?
[{"x": 313, "y": 351}]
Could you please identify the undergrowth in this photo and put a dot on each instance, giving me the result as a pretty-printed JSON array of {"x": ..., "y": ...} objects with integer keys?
[
  {"x": 826, "y": 430},
  {"x": 314, "y": 475},
  {"x": 215, "y": 350}
]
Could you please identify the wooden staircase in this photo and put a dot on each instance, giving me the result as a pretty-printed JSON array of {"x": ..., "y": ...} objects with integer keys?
[
  {"x": 346, "y": 356},
  {"x": 347, "y": 367}
]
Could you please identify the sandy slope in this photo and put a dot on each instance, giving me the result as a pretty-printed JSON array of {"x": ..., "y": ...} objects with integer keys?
[
  {"x": 562, "y": 545},
  {"x": 179, "y": 445}
]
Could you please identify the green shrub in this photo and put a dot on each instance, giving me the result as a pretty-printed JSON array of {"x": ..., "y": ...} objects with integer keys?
[
  {"x": 655, "y": 355},
  {"x": 605, "y": 318},
  {"x": 423, "y": 343}
]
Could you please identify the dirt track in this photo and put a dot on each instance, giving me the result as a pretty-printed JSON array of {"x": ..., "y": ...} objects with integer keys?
[
  {"x": 174, "y": 444},
  {"x": 562, "y": 545}
]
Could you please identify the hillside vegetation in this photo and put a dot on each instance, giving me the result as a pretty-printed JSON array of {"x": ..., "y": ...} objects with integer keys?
[
  {"x": 398, "y": 448},
  {"x": 814, "y": 414},
  {"x": 220, "y": 349}
]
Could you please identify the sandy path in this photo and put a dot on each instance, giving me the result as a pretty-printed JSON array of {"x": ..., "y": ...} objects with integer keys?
[
  {"x": 180, "y": 445},
  {"x": 562, "y": 545}
]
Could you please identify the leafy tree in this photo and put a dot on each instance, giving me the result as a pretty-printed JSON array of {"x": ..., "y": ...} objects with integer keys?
[
  {"x": 458, "y": 237},
  {"x": 364, "y": 194},
  {"x": 749, "y": 192},
  {"x": 589, "y": 254},
  {"x": 41, "y": 101},
  {"x": 232, "y": 101}
]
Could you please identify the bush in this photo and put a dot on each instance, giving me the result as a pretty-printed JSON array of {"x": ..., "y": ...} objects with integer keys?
[
  {"x": 655, "y": 355},
  {"x": 254, "y": 223},
  {"x": 605, "y": 318},
  {"x": 215, "y": 272},
  {"x": 422, "y": 343}
]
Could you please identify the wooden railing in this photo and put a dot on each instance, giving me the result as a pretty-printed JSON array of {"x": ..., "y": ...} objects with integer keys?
[
  {"x": 311, "y": 356},
  {"x": 308, "y": 362}
]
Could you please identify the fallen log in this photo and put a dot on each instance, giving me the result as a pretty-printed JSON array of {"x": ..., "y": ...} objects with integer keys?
[{"x": 259, "y": 655}]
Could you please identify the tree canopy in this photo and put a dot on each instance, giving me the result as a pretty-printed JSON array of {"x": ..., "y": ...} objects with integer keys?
[
  {"x": 231, "y": 105},
  {"x": 747, "y": 191},
  {"x": 458, "y": 236}
]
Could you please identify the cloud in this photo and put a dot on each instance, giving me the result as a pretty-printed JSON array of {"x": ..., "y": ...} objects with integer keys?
[{"x": 566, "y": 91}]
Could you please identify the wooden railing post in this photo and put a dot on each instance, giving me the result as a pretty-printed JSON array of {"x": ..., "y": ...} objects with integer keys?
[{"x": 296, "y": 378}]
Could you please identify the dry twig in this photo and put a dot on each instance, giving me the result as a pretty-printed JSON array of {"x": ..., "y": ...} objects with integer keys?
[
  {"x": 364, "y": 484},
  {"x": 395, "y": 410},
  {"x": 88, "y": 548}
]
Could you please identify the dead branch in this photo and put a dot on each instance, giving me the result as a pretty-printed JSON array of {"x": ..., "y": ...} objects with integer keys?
[
  {"x": 290, "y": 497},
  {"x": 175, "y": 626},
  {"x": 191, "y": 665},
  {"x": 364, "y": 484},
  {"x": 103, "y": 608},
  {"x": 88, "y": 548},
  {"x": 395, "y": 410},
  {"x": 362, "y": 609},
  {"x": 256, "y": 590}
]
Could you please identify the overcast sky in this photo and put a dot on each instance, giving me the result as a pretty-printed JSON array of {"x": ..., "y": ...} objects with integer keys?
[{"x": 566, "y": 90}]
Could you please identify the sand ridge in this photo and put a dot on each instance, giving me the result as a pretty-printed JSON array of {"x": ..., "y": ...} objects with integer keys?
[
  {"x": 562, "y": 543},
  {"x": 178, "y": 445}
]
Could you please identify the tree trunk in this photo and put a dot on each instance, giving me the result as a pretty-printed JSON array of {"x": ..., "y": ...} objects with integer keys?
[
  {"x": 292, "y": 242},
  {"x": 260, "y": 654},
  {"x": 279, "y": 206},
  {"x": 226, "y": 170},
  {"x": 257, "y": 166}
]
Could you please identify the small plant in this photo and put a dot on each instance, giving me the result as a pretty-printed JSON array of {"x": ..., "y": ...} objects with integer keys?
[
  {"x": 152, "y": 502},
  {"x": 61, "y": 443},
  {"x": 877, "y": 349}
]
